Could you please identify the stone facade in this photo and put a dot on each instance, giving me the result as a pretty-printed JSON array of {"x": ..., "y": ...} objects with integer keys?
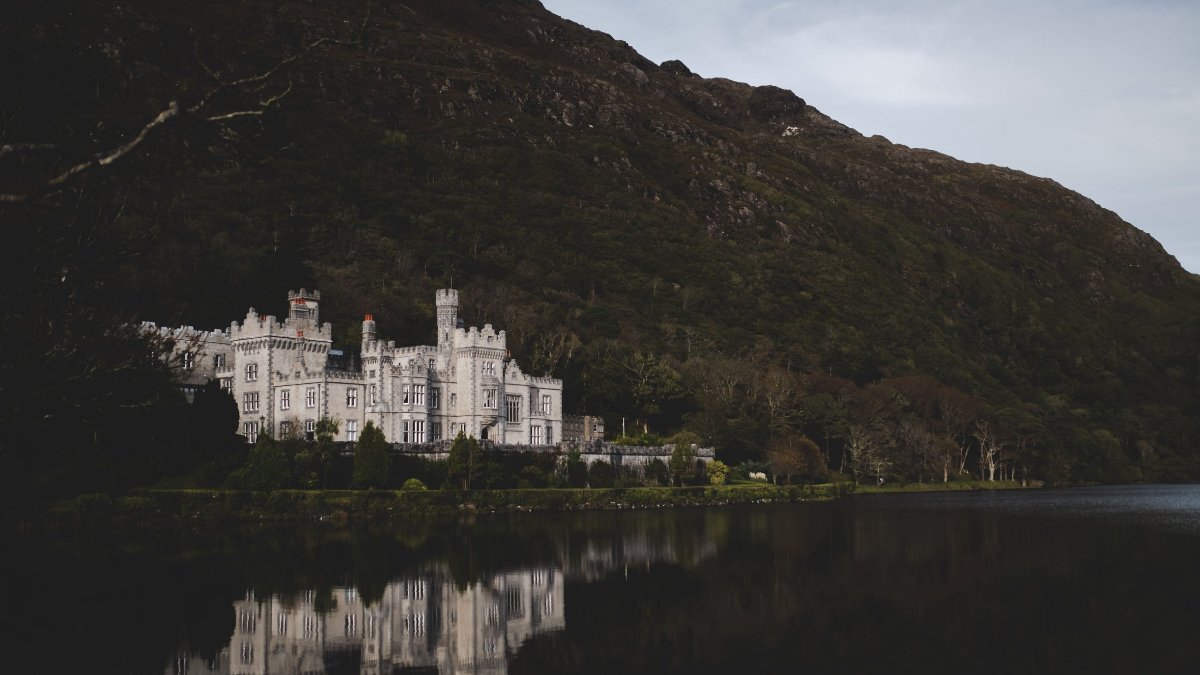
[
  {"x": 579, "y": 429},
  {"x": 284, "y": 376}
]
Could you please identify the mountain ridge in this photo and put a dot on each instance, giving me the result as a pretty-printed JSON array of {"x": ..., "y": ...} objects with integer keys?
[{"x": 570, "y": 186}]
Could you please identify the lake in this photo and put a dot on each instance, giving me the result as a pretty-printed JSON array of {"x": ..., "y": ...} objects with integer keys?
[{"x": 1095, "y": 580}]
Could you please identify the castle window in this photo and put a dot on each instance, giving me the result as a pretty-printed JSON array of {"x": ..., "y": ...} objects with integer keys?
[
  {"x": 434, "y": 396},
  {"x": 545, "y": 404},
  {"x": 489, "y": 368},
  {"x": 432, "y": 365},
  {"x": 310, "y": 397},
  {"x": 285, "y": 429},
  {"x": 250, "y": 402},
  {"x": 419, "y": 431},
  {"x": 453, "y": 400},
  {"x": 251, "y": 372},
  {"x": 435, "y": 432},
  {"x": 404, "y": 431},
  {"x": 285, "y": 399},
  {"x": 219, "y": 361},
  {"x": 227, "y": 383},
  {"x": 535, "y": 434},
  {"x": 371, "y": 374},
  {"x": 374, "y": 394},
  {"x": 189, "y": 360},
  {"x": 419, "y": 394},
  {"x": 352, "y": 430},
  {"x": 310, "y": 426},
  {"x": 489, "y": 398},
  {"x": 549, "y": 435},
  {"x": 404, "y": 394},
  {"x": 512, "y": 406},
  {"x": 251, "y": 429},
  {"x": 351, "y": 397}
]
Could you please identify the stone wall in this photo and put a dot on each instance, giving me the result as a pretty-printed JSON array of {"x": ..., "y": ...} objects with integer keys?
[{"x": 617, "y": 455}]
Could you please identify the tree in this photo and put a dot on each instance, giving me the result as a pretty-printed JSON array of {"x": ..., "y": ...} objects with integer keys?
[
  {"x": 325, "y": 451},
  {"x": 265, "y": 469},
  {"x": 862, "y": 447},
  {"x": 576, "y": 470},
  {"x": 717, "y": 472},
  {"x": 958, "y": 412},
  {"x": 371, "y": 459},
  {"x": 653, "y": 382},
  {"x": 464, "y": 461},
  {"x": 791, "y": 455},
  {"x": 683, "y": 461},
  {"x": 989, "y": 448},
  {"x": 657, "y": 471}
]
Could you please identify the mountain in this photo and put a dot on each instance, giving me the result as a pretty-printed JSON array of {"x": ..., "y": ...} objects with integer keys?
[{"x": 617, "y": 217}]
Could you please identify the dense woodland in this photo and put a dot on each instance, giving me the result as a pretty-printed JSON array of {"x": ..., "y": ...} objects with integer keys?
[{"x": 690, "y": 255}]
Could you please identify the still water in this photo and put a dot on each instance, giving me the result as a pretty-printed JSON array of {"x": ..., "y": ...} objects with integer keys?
[{"x": 1095, "y": 580}]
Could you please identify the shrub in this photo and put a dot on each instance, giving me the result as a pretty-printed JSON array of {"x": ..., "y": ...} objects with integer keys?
[
  {"x": 267, "y": 467},
  {"x": 717, "y": 471},
  {"x": 656, "y": 471},
  {"x": 601, "y": 475},
  {"x": 413, "y": 484}
]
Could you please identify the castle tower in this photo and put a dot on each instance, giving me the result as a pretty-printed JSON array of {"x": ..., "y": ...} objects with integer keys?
[
  {"x": 303, "y": 305},
  {"x": 447, "y": 317},
  {"x": 368, "y": 330}
]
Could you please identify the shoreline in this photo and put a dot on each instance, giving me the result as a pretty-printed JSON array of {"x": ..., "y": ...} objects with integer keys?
[{"x": 153, "y": 508}]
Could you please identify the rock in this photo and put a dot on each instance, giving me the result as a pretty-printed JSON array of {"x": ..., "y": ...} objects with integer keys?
[
  {"x": 639, "y": 77},
  {"x": 676, "y": 67},
  {"x": 772, "y": 104}
]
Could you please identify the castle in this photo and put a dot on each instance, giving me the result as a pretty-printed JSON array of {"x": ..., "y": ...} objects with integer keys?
[{"x": 285, "y": 376}]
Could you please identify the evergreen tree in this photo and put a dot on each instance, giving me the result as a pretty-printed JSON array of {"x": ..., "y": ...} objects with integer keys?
[
  {"x": 683, "y": 462},
  {"x": 326, "y": 452},
  {"x": 464, "y": 462},
  {"x": 371, "y": 458}
]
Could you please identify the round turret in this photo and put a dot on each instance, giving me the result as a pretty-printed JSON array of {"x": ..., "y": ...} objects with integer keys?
[{"x": 368, "y": 328}]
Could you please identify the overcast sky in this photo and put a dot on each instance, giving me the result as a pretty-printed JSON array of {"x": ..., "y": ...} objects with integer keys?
[{"x": 1103, "y": 96}]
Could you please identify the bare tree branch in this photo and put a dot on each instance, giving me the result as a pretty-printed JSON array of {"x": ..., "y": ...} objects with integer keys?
[{"x": 173, "y": 111}]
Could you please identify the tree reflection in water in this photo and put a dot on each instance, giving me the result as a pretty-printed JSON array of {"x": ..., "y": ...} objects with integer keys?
[{"x": 1027, "y": 582}]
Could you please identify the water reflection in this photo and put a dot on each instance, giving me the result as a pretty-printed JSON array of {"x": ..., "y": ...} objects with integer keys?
[
  {"x": 437, "y": 621},
  {"x": 1101, "y": 580},
  {"x": 421, "y": 622}
]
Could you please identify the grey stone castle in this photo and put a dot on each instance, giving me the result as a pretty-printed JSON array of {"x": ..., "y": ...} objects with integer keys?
[{"x": 285, "y": 376}]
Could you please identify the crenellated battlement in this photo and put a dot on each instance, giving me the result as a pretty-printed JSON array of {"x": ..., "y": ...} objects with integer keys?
[
  {"x": 446, "y": 297},
  {"x": 486, "y": 337},
  {"x": 304, "y": 294},
  {"x": 186, "y": 333},
  {"x": 257, "y": 326}
]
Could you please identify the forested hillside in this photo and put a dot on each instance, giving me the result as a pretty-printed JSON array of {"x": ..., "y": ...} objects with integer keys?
[{"x": 687, "y": 253}]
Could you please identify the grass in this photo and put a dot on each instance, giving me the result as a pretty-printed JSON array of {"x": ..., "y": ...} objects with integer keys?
[
  {"x": 953, "y": 486},
  {"x": 170, "y": 507}
]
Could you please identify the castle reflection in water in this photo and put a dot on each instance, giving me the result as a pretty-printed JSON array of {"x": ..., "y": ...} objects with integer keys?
[{"x": 423, "y": 623}]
